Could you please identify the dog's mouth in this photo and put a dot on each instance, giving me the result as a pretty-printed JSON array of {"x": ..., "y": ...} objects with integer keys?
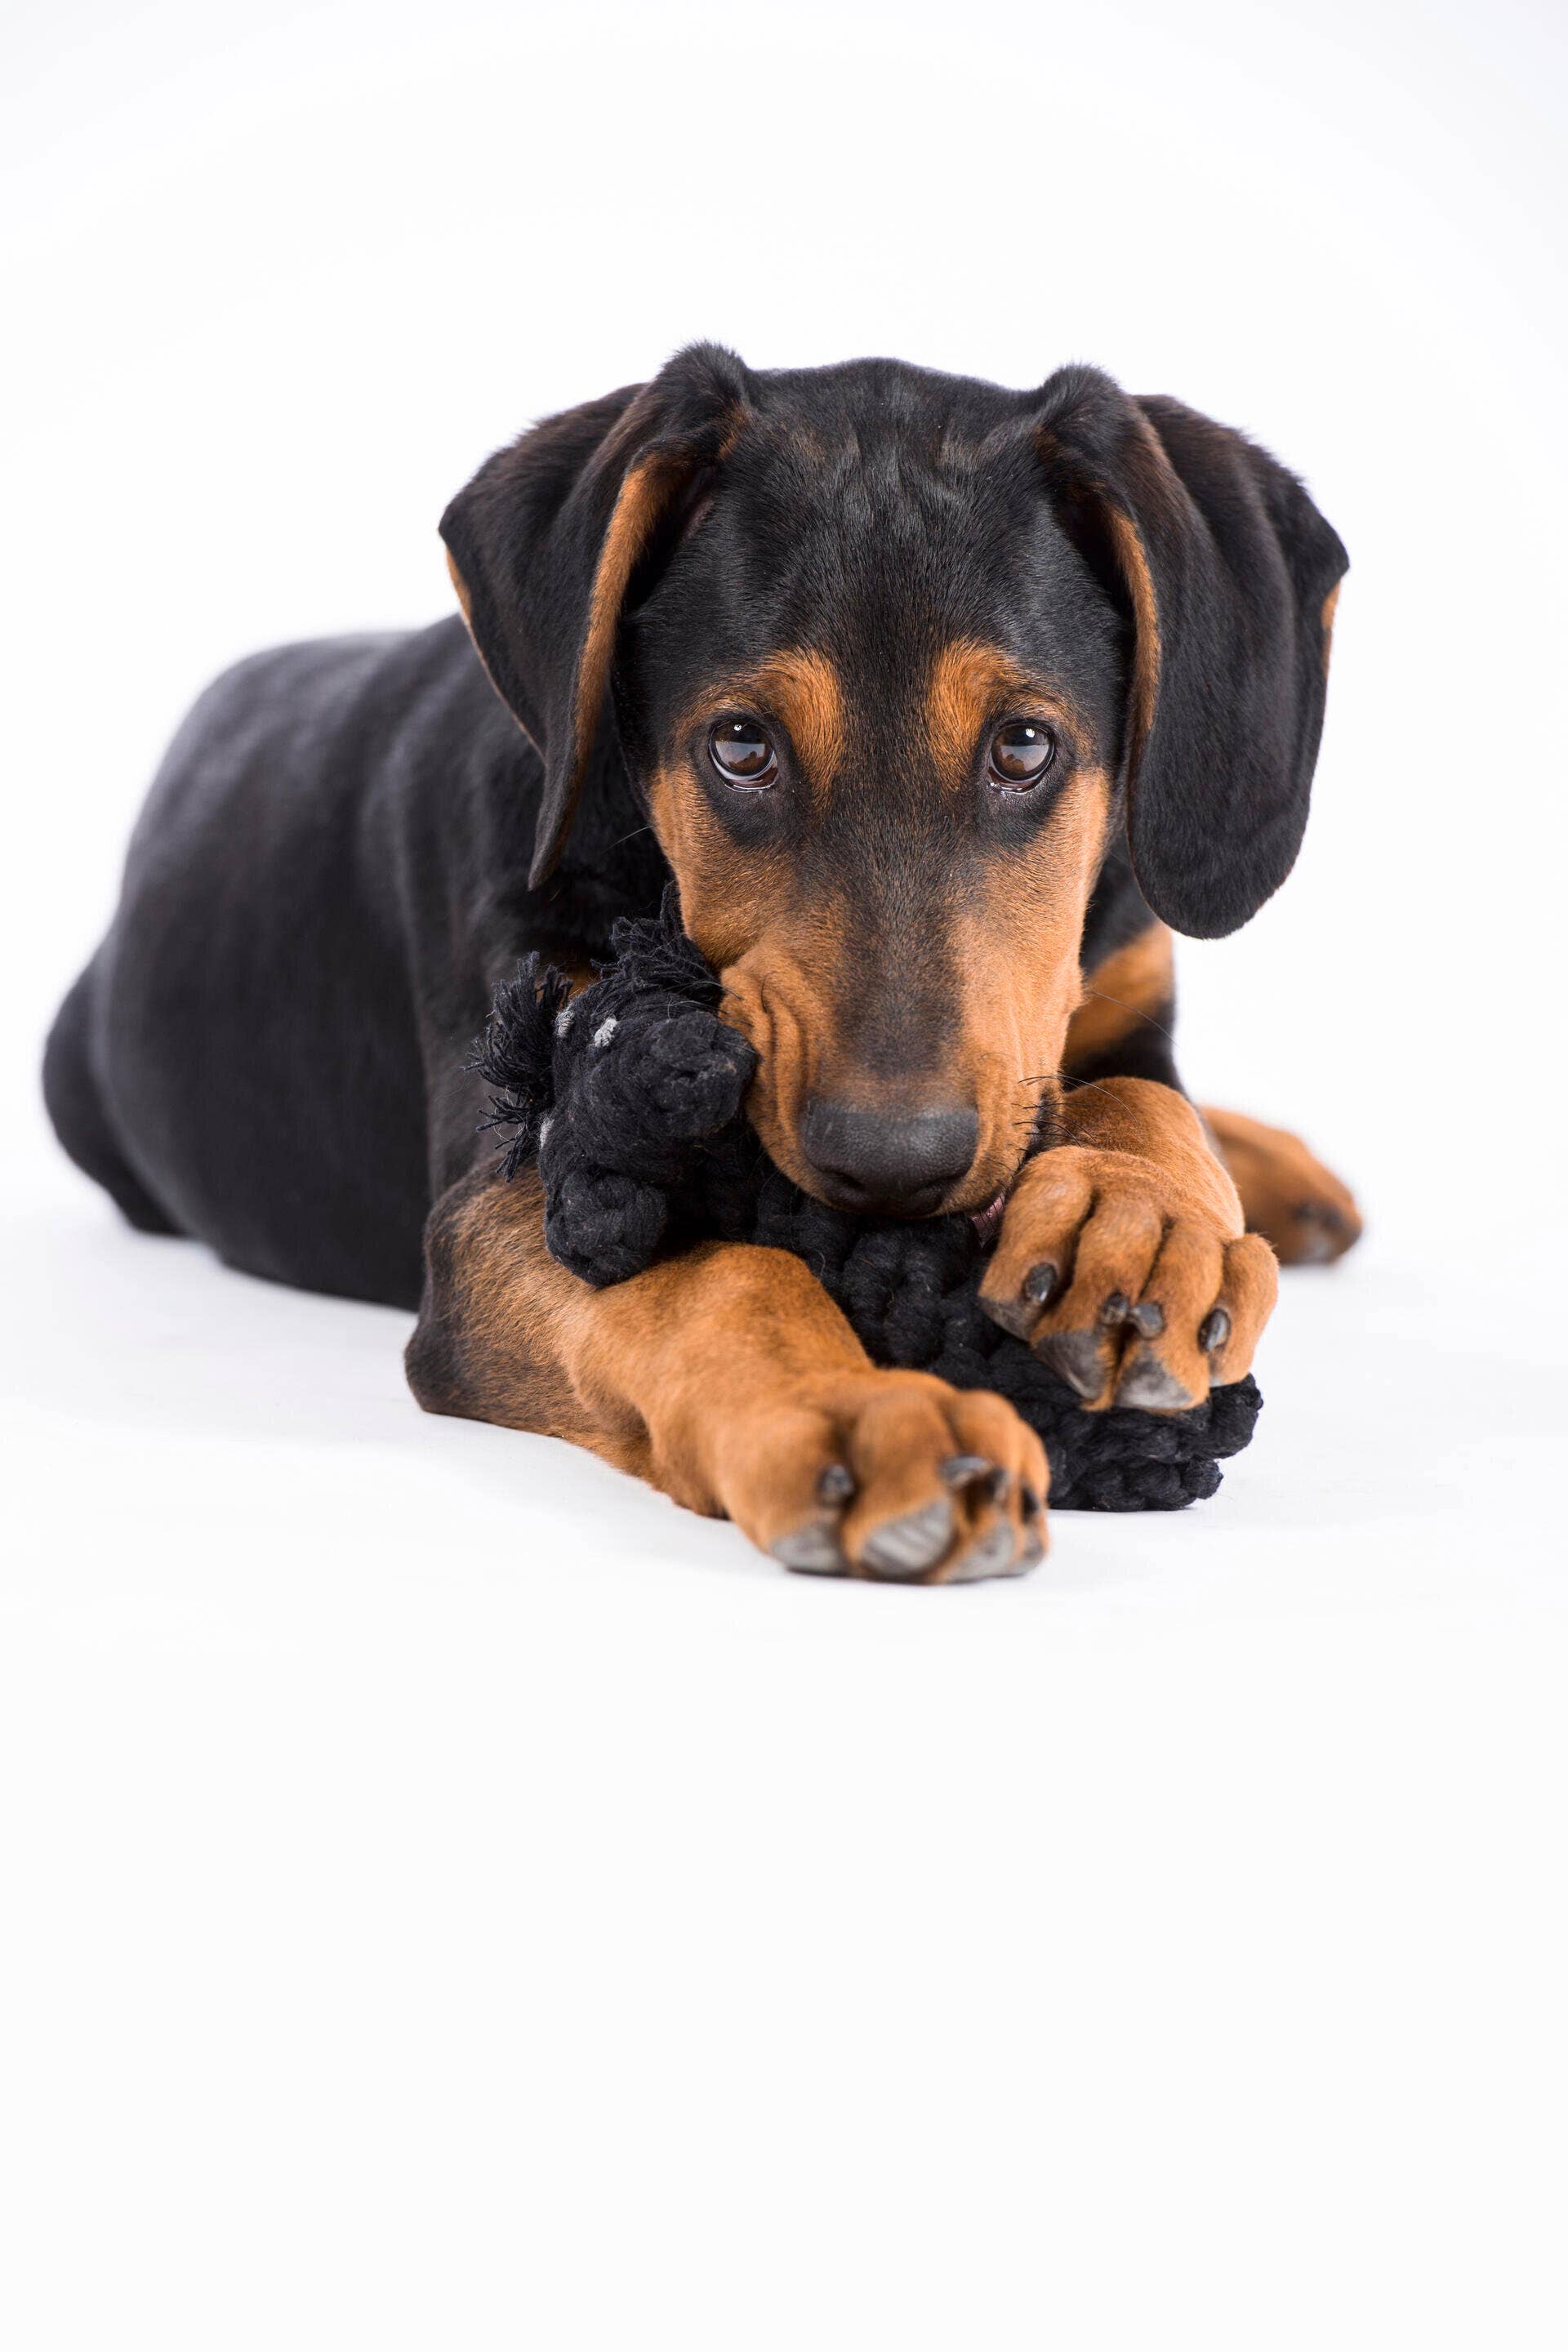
[{"x": 987, "y": 1222}]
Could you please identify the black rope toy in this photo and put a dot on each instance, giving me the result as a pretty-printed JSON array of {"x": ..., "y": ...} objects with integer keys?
[{"x": 630, "y": 1096}]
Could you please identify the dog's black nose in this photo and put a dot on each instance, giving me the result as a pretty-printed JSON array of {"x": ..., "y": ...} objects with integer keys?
[{"x": 868, "y": 1161}]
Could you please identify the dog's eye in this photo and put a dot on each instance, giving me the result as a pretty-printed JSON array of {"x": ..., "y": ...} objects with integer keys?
[
  {"x": 1020, "y": 754},
  {"x": 742, "y": 752}
]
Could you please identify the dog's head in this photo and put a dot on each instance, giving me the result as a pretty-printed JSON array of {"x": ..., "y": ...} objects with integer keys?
[{"x": 892, "y": 656}]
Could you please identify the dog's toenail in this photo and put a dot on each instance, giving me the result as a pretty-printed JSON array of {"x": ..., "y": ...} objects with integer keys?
[
  {"x": 997, "y": 1486},
  {"x": 1146, "y": 1386},
  {"x": 959, "y": 1468},
  {"x": 1014, "y": 1315},
  {"x": 904, "y": 1549},
  {"x": 992, "y": 1555},
  {"x": 1213, "y": 1331},
  {"x": 810, "y": 1551},
  {"x": 1029, "y": 1499},
  {"x": 1115, "y": 1309},
  {"x": 836, "y": 1484},
  {"x": 1148, "y": 1319},
  {"x": 1075, "y": 1357},
  {"x": 1040, "y": 1282}
]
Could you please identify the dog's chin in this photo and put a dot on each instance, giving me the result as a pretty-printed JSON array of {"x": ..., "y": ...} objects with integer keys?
[
  {"x": 982, "y": 1204},
  {"x": 930, "y": 1200}
]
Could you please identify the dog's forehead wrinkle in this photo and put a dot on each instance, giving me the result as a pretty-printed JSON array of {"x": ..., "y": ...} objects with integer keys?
[
  {"x": 896, "y": 493},
  {"x": 884, "y": 591},
  {"x": 897, "y": 472}
]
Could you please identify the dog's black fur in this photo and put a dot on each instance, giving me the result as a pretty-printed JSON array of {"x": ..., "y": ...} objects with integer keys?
[
  {"x": 351, "y": 843},
  {"x": 269, "y": 1049}
]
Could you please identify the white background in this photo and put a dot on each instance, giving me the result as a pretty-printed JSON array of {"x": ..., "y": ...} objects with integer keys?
[{"x": 451, "y": 1898}]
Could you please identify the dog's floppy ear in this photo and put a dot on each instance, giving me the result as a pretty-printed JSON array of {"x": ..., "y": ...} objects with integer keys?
[
  {"x": 1227, "y": 573},
  {"x": 544, "y": 543}
]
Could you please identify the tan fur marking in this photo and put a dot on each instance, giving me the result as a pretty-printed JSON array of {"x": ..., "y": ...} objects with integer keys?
[
  {"x": 802, "y": 688},
  {"x": 461, "y": 585},
  {"x": 1288, "y": 1194},
  {"x": 1020, "y": 984},
  {"x": 779, "y": 996},
  {"x": 1155, "y": 1124},
  {"x": 643, "y": 493},
  {"x": 1119, "y": 995},
  {"x": 1330, "y": 602},
  {"x": 731, "y": 897},
  {"x": 972, "y": 686},
  {"x": 1146, "y": 656}
]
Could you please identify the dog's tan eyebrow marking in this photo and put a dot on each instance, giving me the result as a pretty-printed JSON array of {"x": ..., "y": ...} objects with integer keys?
[
  {"x": 973, "y": 684},
  {"x": 800, "y": 687}
]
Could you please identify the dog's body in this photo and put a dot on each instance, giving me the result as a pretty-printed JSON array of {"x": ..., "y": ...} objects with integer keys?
[
  {"x": 327, "y": 883},
  {"x": 902, "y": 704}
]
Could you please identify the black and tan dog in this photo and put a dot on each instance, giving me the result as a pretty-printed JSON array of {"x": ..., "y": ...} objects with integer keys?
[{"x": 943, "y": 706}]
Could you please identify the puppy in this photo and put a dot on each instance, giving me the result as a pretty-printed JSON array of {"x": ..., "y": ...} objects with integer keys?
[{"x": 942, "y": 705}]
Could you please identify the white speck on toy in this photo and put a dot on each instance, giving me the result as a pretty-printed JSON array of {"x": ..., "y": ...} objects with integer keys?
[
  {"x": 564, "y": 1019},
  {"x": 545, "y": 1124},
  {"x": 606, "y": 1030}
]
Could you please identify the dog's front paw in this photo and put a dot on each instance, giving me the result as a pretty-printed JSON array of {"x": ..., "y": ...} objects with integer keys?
[
  {"x": 890, "y": 1474},
  {"x": 1135, "y": 1284}
]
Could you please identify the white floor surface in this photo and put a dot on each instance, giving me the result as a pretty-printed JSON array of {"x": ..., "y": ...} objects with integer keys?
[{"x": 457, "y": 1898}]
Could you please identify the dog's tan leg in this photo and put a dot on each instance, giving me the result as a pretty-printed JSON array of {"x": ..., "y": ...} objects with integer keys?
[
  {"x": 1287, "y": 1195},
  {"x": 728, "y": 1378}
]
